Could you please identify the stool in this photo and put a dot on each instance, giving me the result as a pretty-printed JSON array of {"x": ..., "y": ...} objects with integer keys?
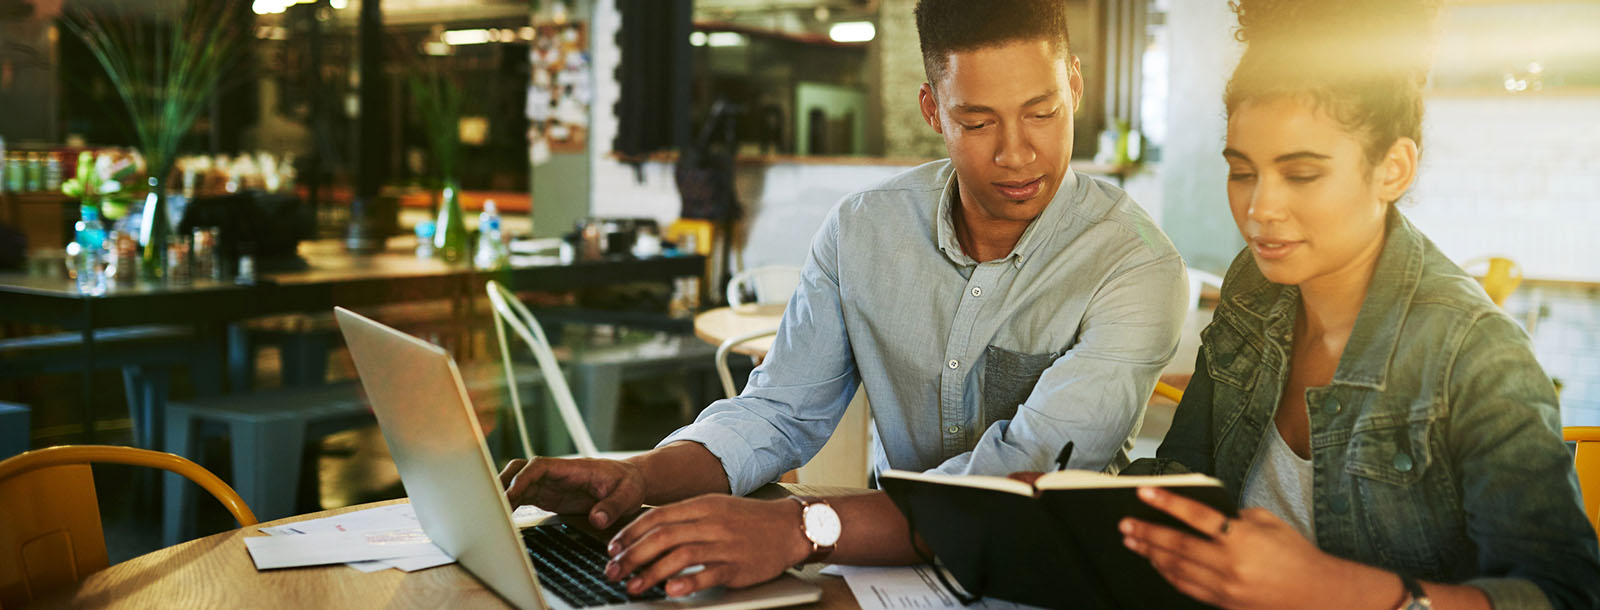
[
  {"x": 598, "y": 374},
  {"x": 268, "y": 432},
  {"x": 14, "y": 429},
  {"x": 145, "y": 354}
]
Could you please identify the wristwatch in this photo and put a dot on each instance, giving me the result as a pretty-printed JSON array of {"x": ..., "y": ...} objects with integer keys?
[
  {"x": 820, "y": 526},
  {"x": 1416, "y": 597}
]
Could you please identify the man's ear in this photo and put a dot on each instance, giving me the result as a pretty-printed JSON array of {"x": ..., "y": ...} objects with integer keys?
[
  {"x": 1075, "y": 78},
  {"x": 930, "y": 108}
]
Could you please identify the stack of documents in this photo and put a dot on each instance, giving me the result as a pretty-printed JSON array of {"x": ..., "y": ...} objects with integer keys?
[{"x": 367, "y": 540}]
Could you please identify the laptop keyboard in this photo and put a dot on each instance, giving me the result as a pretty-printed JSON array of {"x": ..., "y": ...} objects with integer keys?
[{"x": 572, "y": 564}]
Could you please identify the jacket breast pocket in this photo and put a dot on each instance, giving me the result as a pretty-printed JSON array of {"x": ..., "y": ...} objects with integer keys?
[
  {"x": 1230, "y": 357},
  {"x": 1403, "y": 496},
  {"x": 1008, "y": 379}
]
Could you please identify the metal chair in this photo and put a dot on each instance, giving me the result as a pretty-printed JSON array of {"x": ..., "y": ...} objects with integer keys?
[
  {"x": 50, "y": 530},
  {"x": 771, "y": 285},
  {"x": 509, "y": 311},
  {"x": 1587, "y": 461}
]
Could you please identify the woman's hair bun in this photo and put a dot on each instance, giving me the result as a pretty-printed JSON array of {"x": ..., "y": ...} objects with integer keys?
[{"x": 1355, "y": 34}]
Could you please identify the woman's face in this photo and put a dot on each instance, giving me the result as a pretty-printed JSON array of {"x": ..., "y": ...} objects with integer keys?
[{"x": 1307, "y": 201}]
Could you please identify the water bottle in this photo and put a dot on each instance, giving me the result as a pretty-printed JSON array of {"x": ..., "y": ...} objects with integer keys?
[
  {"x": 91, "y": 239},
  {"x": 492, "y": 253}
]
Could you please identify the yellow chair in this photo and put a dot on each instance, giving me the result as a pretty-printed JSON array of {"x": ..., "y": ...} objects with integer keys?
[
  {"x": 1587, "y": 461},
  {"x": 50, "y": 532},
  {"x": 1500, "y": 278},
  {"x": 1167, "y": 391}
]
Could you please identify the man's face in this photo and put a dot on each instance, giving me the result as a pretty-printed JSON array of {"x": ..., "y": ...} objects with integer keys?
[{"x": 1006, "y": 116}]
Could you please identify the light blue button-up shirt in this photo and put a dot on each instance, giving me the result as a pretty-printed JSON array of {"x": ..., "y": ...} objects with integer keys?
[{"x": 976, "y": 368}]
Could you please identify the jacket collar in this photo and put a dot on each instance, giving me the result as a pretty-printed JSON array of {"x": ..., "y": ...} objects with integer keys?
[{"x": 1370, "y": 349}]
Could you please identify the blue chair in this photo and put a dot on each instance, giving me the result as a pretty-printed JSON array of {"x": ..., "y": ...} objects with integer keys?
[{"x": 13, "y": 429}]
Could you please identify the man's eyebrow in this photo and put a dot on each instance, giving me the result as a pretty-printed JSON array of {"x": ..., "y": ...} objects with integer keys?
[{"x": 978, "y": 109}]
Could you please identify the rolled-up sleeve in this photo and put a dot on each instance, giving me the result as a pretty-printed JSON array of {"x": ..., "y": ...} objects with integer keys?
[
  {"x": 793, "y": 401},
  {"x": 1520, "y": 493},
  {"x": 1095, "y": 393}
]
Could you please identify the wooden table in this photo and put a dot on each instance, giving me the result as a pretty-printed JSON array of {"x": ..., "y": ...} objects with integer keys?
[
  {"x": 216, "y": 572},
  {"x": 333, "y": 277},
  {"x": 717, "y": 325}
]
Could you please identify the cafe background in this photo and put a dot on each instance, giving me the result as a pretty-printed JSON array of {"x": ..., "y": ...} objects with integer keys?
[{"x": 582, "y": 109}]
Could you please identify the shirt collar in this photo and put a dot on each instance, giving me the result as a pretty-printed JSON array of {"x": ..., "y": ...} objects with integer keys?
[{"x": 1048, "y": 220}]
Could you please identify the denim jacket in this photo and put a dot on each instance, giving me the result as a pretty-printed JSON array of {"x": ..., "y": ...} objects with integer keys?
[{"x": 1436, "y": 449}]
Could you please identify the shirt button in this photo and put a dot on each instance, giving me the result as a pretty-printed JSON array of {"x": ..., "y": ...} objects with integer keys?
[
  {"x": 1333, "y": 407},
  {"x": 955, "y": 363},
  {"x": 953, "y": 429},
  {"x": 1340, "y": 504},
  {"x": 977, "y": 292},
  {"x": 1402, "y": 462}
]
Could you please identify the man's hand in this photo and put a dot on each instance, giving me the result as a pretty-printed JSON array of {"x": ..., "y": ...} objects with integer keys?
[
  {"x": 605, "y": 489},
  {"x": 739, "y": 541}
]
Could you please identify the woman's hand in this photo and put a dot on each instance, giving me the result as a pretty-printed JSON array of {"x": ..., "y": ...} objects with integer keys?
[{"x": 1254, "y": 561}]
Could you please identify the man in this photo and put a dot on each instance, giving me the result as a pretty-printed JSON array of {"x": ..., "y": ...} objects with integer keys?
[{"x": 995, "y": 305}]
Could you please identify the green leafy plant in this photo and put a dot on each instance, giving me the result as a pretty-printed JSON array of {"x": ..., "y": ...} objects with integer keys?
[
  {"x": 438, "y": 100},
  {"x": 165, "y": 71}
]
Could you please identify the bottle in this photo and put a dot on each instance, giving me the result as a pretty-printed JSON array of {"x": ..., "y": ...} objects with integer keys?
[
  {"x": 34, "y": 173},
  {"x": 424, "y": 231},
  {"x": 491, "y": 252},
  {"x": 91, "y": 239},
  {"x": 450, "y": 230},
  {"x": 52, "y": 172}
]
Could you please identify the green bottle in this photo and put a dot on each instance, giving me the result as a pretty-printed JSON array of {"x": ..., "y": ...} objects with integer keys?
[{"x": 450, "y": 233}]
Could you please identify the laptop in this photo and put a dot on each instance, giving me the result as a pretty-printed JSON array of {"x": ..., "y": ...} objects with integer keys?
[{"x": 433, "y": 434}]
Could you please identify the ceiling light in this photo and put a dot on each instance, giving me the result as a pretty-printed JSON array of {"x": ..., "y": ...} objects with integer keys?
[
  {"x": 725, "y": 39},
  {"x": 462, "y": 37},
  {"x": 853, "y": 31}
]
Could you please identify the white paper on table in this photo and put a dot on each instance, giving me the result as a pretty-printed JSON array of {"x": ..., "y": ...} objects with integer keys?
[
  {"x": 390, "y": 518},
  {"x": 904, "y": 588},
  {"x": 272, "y": 552},
  {"x": 383, "y": 518}
]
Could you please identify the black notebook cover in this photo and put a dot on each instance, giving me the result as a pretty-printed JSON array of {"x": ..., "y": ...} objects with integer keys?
[{"x": 1058, "y": 549}]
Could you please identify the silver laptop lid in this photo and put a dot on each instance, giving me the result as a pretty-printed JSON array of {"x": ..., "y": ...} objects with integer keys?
[{"x": 433, "y": 434}]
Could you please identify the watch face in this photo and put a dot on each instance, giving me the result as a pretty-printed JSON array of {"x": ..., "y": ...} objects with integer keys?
[{"x": 822, "y": 524}]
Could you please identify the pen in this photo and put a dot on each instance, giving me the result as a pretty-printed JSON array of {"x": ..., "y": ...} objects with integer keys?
[{"x": 1066, "y": 454}]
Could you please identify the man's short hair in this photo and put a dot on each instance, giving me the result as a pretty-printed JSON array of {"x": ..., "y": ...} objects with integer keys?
[{"x": 949, "y": 26}]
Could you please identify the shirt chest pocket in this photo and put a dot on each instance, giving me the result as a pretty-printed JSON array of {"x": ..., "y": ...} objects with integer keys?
[
  {"x": 1008, "y": 379},
  {"x": 1402, "y": 495}
]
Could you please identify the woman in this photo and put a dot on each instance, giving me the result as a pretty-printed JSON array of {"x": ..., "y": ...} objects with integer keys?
[{"x": 1384, "y": 427}]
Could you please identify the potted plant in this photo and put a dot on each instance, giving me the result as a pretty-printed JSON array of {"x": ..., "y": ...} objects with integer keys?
[
  {"x": 438, "y": 100},
  {"x": 166, "y": 72}
]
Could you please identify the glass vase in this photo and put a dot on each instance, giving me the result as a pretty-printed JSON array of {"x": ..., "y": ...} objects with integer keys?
[
  {"x": 450, "y": 230},
  {"x": 155, "y": 231}
]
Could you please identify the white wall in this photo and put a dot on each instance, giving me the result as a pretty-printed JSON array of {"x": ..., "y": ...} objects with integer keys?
[{"x": 1516, "y": 177}]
